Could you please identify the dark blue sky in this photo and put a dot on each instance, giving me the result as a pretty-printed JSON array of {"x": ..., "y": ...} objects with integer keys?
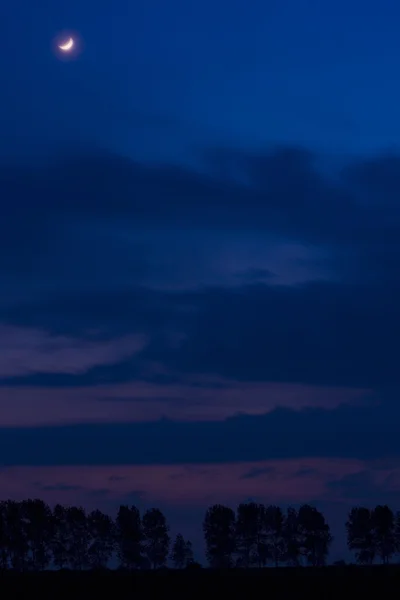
[
  {"x": 172, "y": 74},
  {"x": 199, "y": 254}
]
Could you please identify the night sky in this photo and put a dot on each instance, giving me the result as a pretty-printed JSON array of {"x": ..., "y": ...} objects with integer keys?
[{"x": 200, "y": 255}]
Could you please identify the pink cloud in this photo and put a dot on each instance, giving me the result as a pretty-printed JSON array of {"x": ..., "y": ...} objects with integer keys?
[
  {"x": 280, "y": 481},
  {"x": 25, "y": 351},
  {"x": 141, "y": 401}
]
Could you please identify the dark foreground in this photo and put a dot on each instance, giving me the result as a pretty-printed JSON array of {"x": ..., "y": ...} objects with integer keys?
[{"x": 284, "y": 583}]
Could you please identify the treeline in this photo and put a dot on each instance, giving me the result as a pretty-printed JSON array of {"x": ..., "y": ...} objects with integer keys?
[
  {"x": 258, "y": 535},
  {"x": 34, "y": 537},
  {"x": 373, "y": 534}
]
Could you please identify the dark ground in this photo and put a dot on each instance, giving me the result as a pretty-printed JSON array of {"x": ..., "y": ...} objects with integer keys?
[{"x": 339, "y": 583}]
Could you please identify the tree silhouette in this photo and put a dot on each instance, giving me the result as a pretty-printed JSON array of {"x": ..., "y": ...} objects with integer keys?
[
  {"x": 274, "y": 533},
  {"x": 292, "y": 537},
  {"x": 219, "y": 533},
  {"x": 101, "y": 539},
  {"x": 182, "y": 552},
  {"x": 249, "y": 533},
  {"x": 129, "y": 537},
  {"x": 37, "y": 518},
  {"x": 4, "y": 541},
  {"x": 372, "y": 533},
  {"x": 33, "y": 537},
  {"x": 157, "y": 538},
  {"x": 384, "y": 529},
  {"x": 16, "y": 535},
  {"x": 78, "y": 537},
  {"x": 60, "y": 537},
  {"x": 189, "y": 554},
  {"x": 360, "y": 534},
  {"x": 315, "y": 537},
  {"x": 397, "y": 531}
]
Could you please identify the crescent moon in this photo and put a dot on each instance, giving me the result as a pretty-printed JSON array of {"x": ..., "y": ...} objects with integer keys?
[{"x": 67, "y": 46}]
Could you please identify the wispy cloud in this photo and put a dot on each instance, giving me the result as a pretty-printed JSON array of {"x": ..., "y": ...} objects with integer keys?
[
  {"x": 28, "y": 351},
  {"x": 139, "y": 401}
]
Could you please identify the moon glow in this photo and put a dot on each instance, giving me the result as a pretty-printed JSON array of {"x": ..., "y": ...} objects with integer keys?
[{"x": 67, "y": 46}]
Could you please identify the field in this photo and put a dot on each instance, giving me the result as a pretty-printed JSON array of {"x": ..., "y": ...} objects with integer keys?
[{"x": 284, "y": 583}]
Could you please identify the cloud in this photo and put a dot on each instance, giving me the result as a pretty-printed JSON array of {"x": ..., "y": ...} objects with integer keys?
[
  {"x": 26, "y": 351},
  {"x": 282, "y": 193},
  {"x": 60, "y": 487},
  {"x": 255, "y": 275},
  {"x": 181, "y": 258},
  {"x": 198, "y": 484},
  {"x": 258, "y": 472},
  {"x": 97, "y": 193},
  {"x": 321, "y": 333},
  {"x": 368, "y": 487},
  {"x": 136, "y": 401},
  {"x": 366, "y": 433}
]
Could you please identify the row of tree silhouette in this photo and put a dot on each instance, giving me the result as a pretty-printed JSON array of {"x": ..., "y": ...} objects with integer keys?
[
  {"x": 257, "y": 535},
  {"x": 373, "y": 533},
  {"x": 35, "y": 537}
]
